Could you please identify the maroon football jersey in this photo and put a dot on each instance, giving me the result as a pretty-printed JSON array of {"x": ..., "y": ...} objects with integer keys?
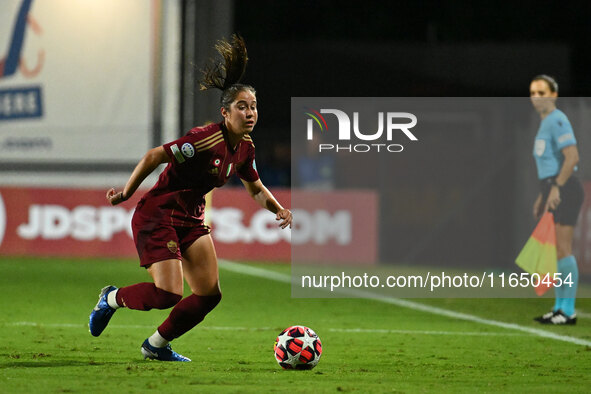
[{"x": 200, "y": 161}]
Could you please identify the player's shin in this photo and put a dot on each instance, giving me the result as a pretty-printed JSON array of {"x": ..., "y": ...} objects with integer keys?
[
  {"x": 145, "y": 296},
  {"x": 189, "y": 312},
  {"x": 570, "y": 273}
]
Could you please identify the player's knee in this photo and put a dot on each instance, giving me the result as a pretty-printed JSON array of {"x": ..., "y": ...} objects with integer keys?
[
  {"x": 210, "y": 301},
  {"x": 563, "y": 251},
  {"x": 166, "y": 299},
  {"x": 560, "y": 254},
  {"x": 218, "y": 298}
]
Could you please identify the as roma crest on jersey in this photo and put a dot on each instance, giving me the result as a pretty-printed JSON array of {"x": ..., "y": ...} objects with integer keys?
[
  {"x": 172, "y": 246},
  {"x": 215, "y": 170}
]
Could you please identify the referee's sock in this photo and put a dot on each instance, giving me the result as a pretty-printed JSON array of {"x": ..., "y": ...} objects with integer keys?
[
  {"x": 566, "y": 266},
  {"x": 558, "y": 296}
]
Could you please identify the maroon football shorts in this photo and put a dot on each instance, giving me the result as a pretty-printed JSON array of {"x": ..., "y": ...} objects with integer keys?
[{"x": 156, "y": 241}]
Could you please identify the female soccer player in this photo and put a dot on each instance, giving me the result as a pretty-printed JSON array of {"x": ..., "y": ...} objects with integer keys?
[
  {"x": 171, "y": 239},
  {"x": 556, "y": 156}
]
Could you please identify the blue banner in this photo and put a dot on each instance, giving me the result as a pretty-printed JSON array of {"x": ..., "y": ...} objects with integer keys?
[{"x": 20, "y": 103}]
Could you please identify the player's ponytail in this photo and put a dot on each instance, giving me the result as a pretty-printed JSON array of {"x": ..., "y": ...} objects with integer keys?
[{"x": 226, "y": 73}]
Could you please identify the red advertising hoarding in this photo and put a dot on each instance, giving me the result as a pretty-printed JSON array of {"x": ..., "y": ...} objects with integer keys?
[
  {"x": 64, "y": 222},
  {"x": 80, "y": 222}
]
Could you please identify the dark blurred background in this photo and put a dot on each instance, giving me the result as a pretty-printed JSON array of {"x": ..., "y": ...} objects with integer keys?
[
  {"x": 415, "y": 49},
  {"x": 404, "y": 48},
  {"x": 464, "y": 190}
]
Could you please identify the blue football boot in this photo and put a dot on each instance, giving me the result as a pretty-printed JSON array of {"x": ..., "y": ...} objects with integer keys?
[
  {"x": 102, "y": 312},
  {"x": 161, "y": 353}
]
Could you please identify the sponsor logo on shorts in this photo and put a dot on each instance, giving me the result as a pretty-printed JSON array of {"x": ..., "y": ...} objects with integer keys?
[
  {"x": 172, "y": 246},
  {"x": 188, "y": 149}
]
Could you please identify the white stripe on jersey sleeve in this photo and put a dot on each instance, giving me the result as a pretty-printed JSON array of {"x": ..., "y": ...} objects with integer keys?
[{"x": 177, "y": 153}]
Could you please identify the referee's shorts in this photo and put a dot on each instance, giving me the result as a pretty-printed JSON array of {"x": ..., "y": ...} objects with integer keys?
[{"x": 571, "y": 199}]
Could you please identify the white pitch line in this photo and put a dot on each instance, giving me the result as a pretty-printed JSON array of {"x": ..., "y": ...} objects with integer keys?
[
  {"x": 424, "y": 332},
  {"x": 263, "y": 273},
  {"x": 231, "y": 328},
  {"x": 85, "y": 325},
  {"x": 254, "y": 271}
]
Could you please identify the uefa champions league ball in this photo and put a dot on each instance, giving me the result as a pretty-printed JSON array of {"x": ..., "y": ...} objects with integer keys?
[{"x": 297, "y": 347}]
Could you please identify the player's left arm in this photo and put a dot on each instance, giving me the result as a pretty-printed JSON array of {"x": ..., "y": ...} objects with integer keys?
[
  {"x": 265, "y": 199},
  {"x": 571, "y": 158},
  {"x": 564, "y": 137}
]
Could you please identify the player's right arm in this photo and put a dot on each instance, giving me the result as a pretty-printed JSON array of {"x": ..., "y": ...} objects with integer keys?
[{"x": 147, "y": 164}]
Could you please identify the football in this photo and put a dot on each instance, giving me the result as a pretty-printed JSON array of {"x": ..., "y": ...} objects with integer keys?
[{"x": 297, "y": 347}]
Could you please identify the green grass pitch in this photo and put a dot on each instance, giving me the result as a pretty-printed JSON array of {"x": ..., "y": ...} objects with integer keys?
[{"x": 368, "y": 346}]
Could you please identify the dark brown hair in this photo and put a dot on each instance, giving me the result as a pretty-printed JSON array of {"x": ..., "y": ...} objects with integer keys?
[
  {"x": 226, "y": 73},
  {"x": 552, "y": 84}
]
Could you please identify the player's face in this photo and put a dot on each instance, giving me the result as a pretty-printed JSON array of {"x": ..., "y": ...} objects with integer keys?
[
  {"x": 242, "y": 115},
  {"x": 542, "y": 98}
]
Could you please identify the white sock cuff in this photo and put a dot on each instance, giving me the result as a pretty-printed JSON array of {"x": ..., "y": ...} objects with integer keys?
[
  {"x": 157, "y": 340},
  {"x": 112, "y": 299}
]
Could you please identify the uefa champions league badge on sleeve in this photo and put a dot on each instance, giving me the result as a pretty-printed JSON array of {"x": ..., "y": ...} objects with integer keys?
[{"x": 188, "y": 150}]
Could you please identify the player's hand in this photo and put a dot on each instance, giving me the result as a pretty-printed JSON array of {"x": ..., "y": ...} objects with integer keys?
[
  {"x": 114, "y": 197},
  {"x": 285, "y": 216},
  {"x": 553, "y": 199}
]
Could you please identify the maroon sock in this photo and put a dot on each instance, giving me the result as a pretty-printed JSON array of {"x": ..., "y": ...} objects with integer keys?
[
  {"x": 187, "y": 314},
  {"x": 145, "y": 296}
]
